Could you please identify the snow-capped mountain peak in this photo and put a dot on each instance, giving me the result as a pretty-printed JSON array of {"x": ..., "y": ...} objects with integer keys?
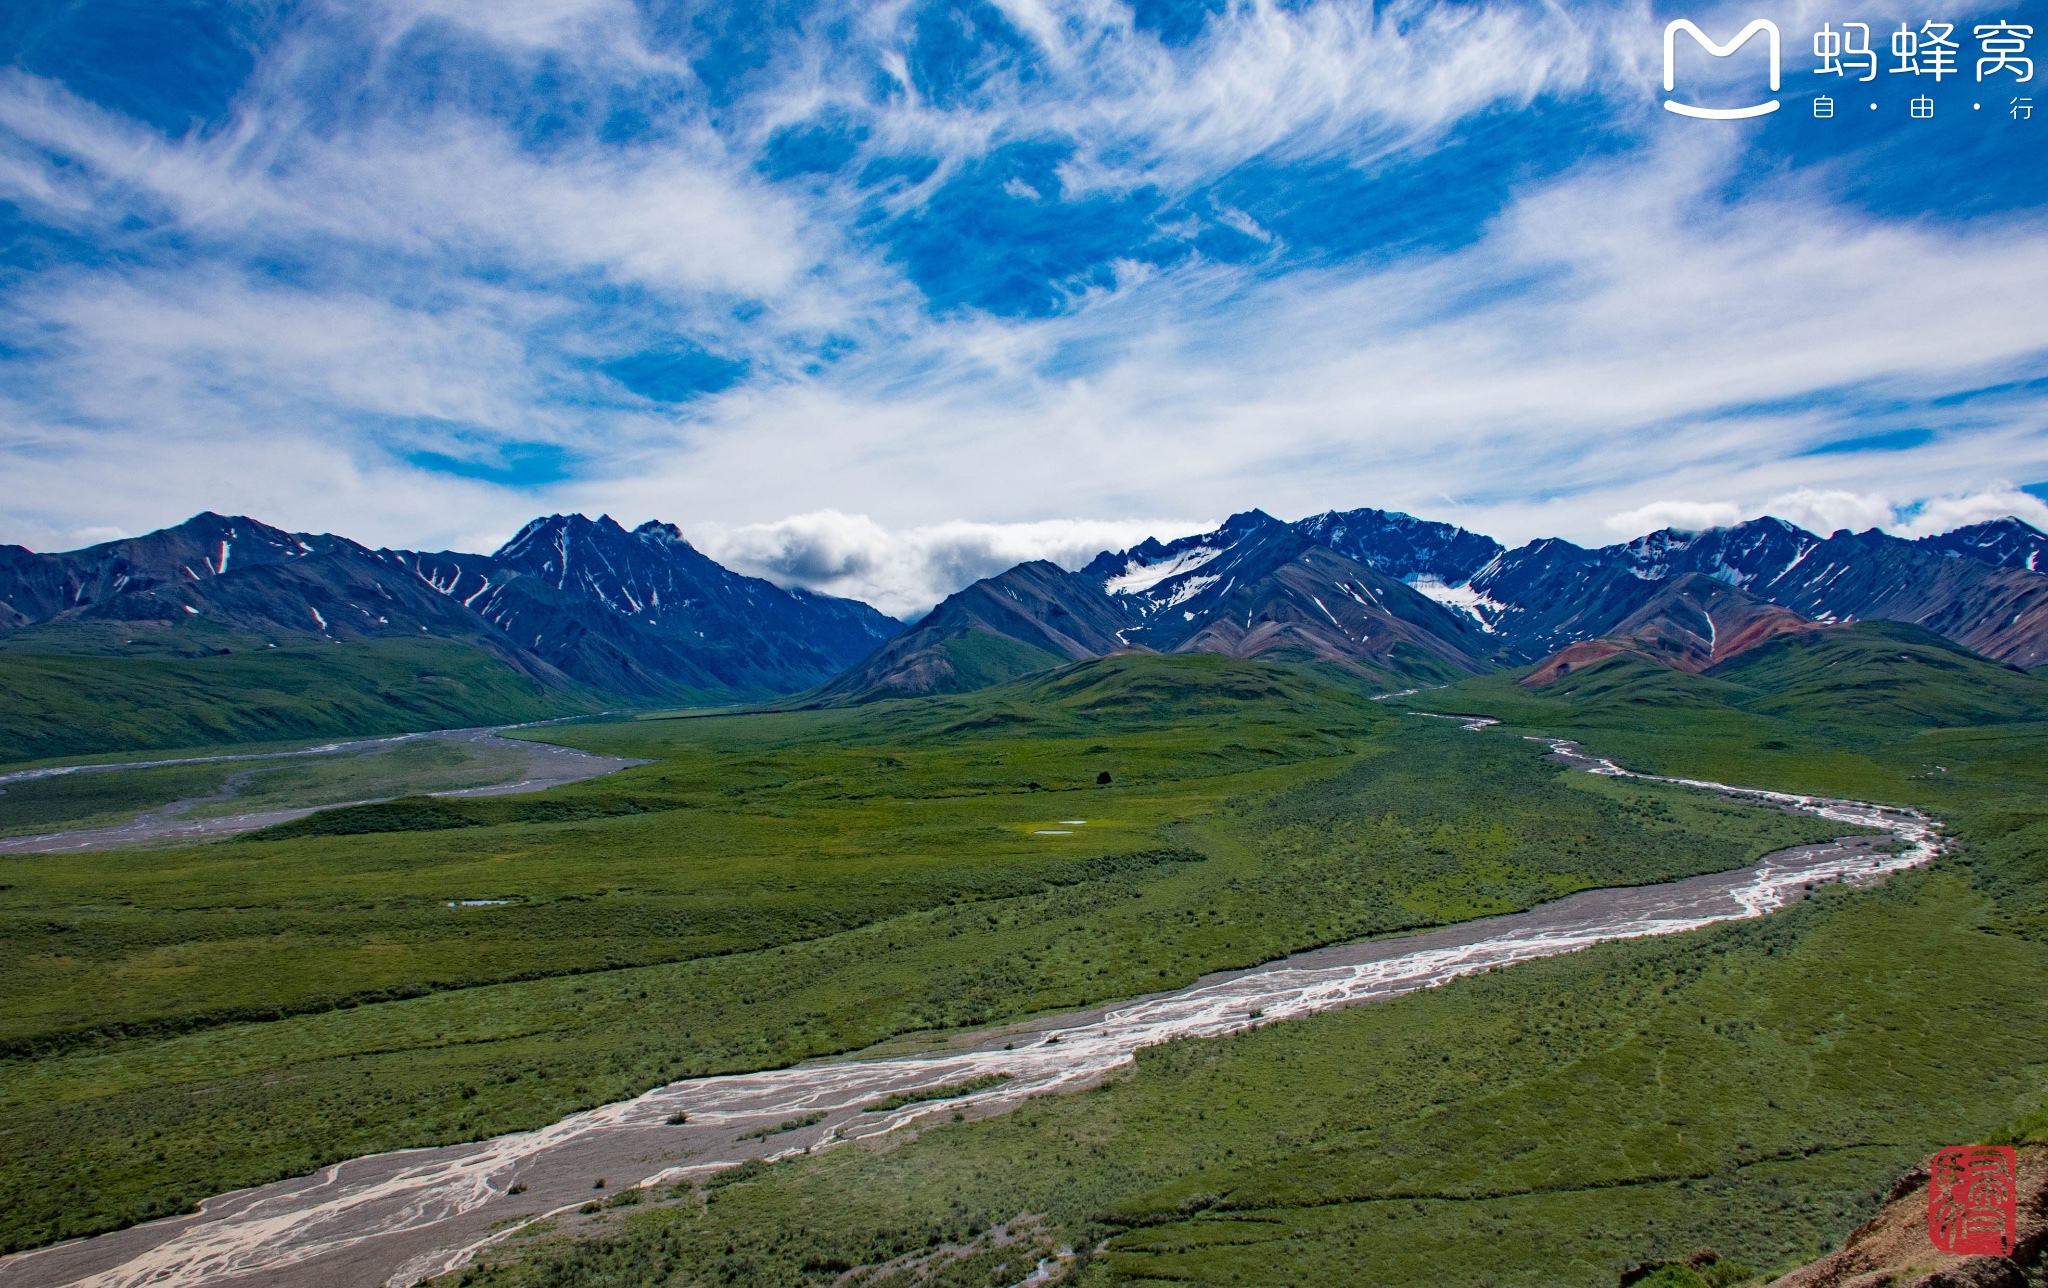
[
  {"x": 1401, "y": 545},
  {"x": 2004, "y": 543},
  {"x": 1190, "y": 575}
]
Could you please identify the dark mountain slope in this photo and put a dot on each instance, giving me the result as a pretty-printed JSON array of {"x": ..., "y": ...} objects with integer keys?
[
  {"x": 568, "y": 602},
  {"x": 644, "y": 613},
  {"x": 1692, "y": 623},
  {"x": 1257, "y": 587},
  {"x": 2002, "y": 543},
  {"x": 652, "y": 575},
  {"x": 347, "y": 593},
  {"x": 597, "y": 647},
  {"x": 204, "y": 547},
  {"x": 20, "y": 570},
  {"x": 1034, "y": 616},
  {"x": 1322, "y": 607},
  {"x": 1974, "y": 590},
  {"x": 1550, "y": 593},
  {"x": 1168, "y": 592},
  {"x": 329, "y": 591},
  {"x": 2002, "y": 612},
  {"x": 1750, "y": 554},
  {"x": 1154, "y": 597},
  {"x": 1254, "y": 588},
  {"x": 1401, "y": 545},
  {"x": 292, "y": 590}
]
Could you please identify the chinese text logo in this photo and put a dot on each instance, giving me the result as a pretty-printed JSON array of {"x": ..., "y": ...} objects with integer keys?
[
  {"x": 1929, "y": 51},
  {"x": 2003, "y": 43}
]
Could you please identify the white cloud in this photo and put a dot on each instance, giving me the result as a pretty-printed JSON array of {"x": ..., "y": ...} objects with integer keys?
[
  {"x": 1659, "y": 344},
  {"x": 1287, "y": 82},
  {"x": 154, "y": 346},
  {"x": 905, "y": 572},
  {"x": 681, "y": 216},
  {"x": 543, "y": 25},
  {"x": 1615, "y": 337},
  {"x": 1687, "y": 516},
  {"x": 1826, "y": 511},
  {"x": 1943, "y": 513}
]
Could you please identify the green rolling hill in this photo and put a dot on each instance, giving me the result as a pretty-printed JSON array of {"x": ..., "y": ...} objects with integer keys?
[
  {"x": 55, "y": 705},
  {"x": 776, "y": 886},
  {"x": 1752, "y": 1089}
]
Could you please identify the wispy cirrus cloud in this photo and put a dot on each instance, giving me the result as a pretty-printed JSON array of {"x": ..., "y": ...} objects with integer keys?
[{"x": 420, "y": 269}]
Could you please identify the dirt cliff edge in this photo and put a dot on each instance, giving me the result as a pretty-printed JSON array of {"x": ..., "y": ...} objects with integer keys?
[{"x": 1892, "y": 1250}]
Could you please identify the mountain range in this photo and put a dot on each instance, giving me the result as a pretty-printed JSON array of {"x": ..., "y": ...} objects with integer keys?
[
  {"x": 1404, "y": 601},
  {"x": 642, "y": 616},
  {"x": 638, "y": 615}
]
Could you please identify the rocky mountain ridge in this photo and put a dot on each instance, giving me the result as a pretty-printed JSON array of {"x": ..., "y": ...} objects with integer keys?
[
  {"x": 1403, "y": 600},
  {"x": 1255, "y": 587},
  {"x": 1971, "y": 585},
  {"x": 1692, "y": 623},
  {"x": 642, "y": 615},
  {"x": 1395, "y": 599}
]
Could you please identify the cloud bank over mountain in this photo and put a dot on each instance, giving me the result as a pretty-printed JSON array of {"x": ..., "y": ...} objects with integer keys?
[
  {"x": 1825, "y": 510},
  {"x": 416, "y": 270},
  {"x": 903, "y": 573}
]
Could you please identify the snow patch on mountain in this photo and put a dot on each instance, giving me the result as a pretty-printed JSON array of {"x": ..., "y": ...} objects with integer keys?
[
  {"x": 1188, "y": 589},
  {"x": 1479, "y": 607},
  {"x": 1139, "y": 576}
]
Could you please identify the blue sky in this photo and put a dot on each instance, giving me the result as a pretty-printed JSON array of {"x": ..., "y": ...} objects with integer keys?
[{"x": 878, "y": 297}]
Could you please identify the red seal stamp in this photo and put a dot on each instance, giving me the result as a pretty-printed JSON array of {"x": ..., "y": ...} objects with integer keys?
[{"x": 1973, "y": 1201}]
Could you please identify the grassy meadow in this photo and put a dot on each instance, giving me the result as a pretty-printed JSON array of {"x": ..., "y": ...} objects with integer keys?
[
  {"x": 1752, "y": 1088},
  {"x": 66, "y": 703},
  {"x": 180, "y": 1022}
]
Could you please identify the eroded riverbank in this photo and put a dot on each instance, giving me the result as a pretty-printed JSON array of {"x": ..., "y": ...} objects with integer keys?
[{"x": 519, "y": 766}]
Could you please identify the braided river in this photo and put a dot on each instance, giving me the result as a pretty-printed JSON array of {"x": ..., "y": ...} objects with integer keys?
[{"x": 401, "y": 1217}]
